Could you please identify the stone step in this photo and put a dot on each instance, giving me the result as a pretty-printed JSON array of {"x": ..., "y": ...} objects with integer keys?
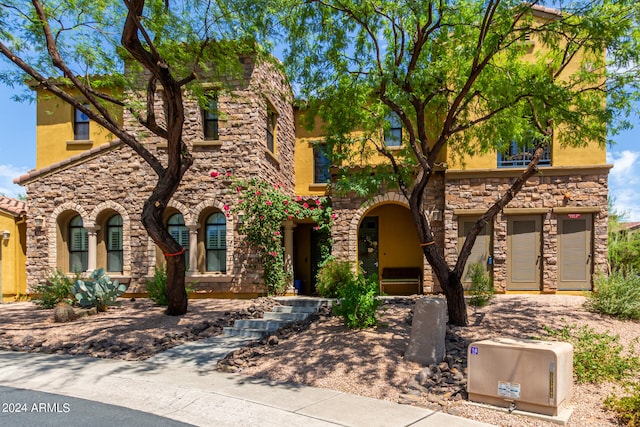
[
  {"x": 287, "y": 317},
  {"x": 305, "y": 301},
  {"x": 230, "y": 331},
  {"x": 294, "y": 309},
  {"x": 266, "y": 324}
]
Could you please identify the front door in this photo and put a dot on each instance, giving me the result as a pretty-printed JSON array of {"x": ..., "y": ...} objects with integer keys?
[
  {"x": 574, "y": 252},
  {"x": 368, "y": 245},
  {"x": 523, "y": 253}
]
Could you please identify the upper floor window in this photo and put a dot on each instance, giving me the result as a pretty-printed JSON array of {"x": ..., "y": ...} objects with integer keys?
[
  {"x": 321, "y": 164},
  {"x": 78, "y": 245},
  {"x": 520, "y": 154},
  {"x": 216, "y": 242},
  {"x": 114, "y": 244},
  {"x": 393, "y": 135},
  {"x": 210, "y": 119},
  {"x": 80, "y": 125},
  {"x": 179, "y": 232},
  {"x": 272, "y": 118}
]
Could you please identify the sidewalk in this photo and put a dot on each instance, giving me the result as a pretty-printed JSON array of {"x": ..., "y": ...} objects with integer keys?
[{"x": 204, "y": 397}]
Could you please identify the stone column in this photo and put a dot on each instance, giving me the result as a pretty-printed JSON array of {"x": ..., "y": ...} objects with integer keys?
[
  {"x": 193, "y": 248},
  {"x": 288, "y": 255},
  {"x": 92, "y": 233}
]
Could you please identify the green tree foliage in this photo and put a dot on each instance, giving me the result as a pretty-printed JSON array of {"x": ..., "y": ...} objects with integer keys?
[
  {"x": 624, "y": 245},
  {"x": 106, "y": 56},
  {"x": 458, "y": 74}
]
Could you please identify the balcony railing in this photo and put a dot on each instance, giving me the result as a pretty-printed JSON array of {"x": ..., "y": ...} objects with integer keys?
[{"x": 519, "y": 157}]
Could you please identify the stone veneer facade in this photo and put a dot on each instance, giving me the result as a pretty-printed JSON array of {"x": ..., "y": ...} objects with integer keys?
[
  {"x": 113, "y": 179},
  {"x": 551, "y": 193}
]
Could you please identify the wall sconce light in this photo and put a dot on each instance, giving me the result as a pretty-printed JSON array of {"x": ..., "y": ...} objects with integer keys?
[
  {"x": 38, "y": 221},
  {"x": 567, "y": 196},
  {"x": 6, "y": 234},
  {"x": 436, "y": 215}
]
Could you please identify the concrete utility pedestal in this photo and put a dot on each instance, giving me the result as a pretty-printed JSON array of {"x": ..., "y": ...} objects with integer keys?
[{"x": 428, "y": 331}]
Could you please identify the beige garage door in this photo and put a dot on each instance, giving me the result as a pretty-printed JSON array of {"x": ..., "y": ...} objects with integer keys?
[
  {"x": 523, "y": 253},
  {"x": 574, "y": 252}
]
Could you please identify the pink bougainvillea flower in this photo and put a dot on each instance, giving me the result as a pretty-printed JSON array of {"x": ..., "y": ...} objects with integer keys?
[
  {"x": 225, "y": 207},
  {"x": 277, "y": 233},
  {"x": 333, "y": 216},
  {"x": 229, "y": 174},
  {"x": 238, "y": 189},
  {"x": 269, "y": 203},
  {"x": 286, "y": 202},
  {"x": 298, "y": 198},
  {"x": 258, "y": 193},
  {"x": 305, "y": 205},
  {"x": 317, "y": 227},
  {"x": 261, "y": 217},
  {"x": 319, "y": 206},
  {"x": 228, "y": 216},
  {"x": 290, "y": 216},
  {"x": 214, "y": 174}
]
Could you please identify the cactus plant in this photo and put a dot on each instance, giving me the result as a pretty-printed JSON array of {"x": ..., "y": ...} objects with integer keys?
[
  {"x": 64, "y": 313},
  {"x": 99, "y": 291}
]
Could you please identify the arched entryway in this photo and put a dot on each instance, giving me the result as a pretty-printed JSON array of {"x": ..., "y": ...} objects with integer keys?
[{"x": 388, "y": 244}]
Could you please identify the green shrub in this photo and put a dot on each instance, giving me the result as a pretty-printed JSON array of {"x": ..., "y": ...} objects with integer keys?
[
  {"x": 332, "y": 275},
  {"x": 358, "y": 302},
  {"x": 597, "y": 357},
  {"x": 99, "y": 291},
  {"x": 157, "y": 288},
  {"x": 55, "y": 290},
  {"x": 617, "y": 295},
  {"x": 481, "y": 289},
  {"x": 627, "y": 408}
]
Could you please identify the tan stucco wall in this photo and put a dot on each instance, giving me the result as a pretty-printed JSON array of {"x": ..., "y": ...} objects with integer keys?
[{"x": 13, "y": 279}]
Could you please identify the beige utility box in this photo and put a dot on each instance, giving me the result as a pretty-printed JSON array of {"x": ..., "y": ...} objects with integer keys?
[{"x": 535, "y": 376}]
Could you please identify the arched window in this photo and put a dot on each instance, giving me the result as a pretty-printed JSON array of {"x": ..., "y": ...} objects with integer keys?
[
  {"x": 78, "y": 245},
  {"x": 177, "y": 229},
  {"x": 114, "y": 244},
  {"x": 216, "y": 242}
]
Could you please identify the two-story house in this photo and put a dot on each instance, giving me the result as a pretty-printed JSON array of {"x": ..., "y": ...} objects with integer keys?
[{"x": 86, "y": 194}]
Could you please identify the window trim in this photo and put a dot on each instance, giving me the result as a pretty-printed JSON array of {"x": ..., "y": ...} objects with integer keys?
[
  {"x": 77, "y": 124},
  {"x": 391, "y": 140},
  {"x": 271, "y": 127},
  {"x": 107, "y": 242},
  {"x": 319, "y": 151},
  {"x": 210, "y": 115},
  {"x": 84, "y": 254},
  {"x": 216, "y": 219}
]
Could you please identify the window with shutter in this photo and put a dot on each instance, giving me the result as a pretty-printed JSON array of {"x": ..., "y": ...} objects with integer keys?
[
  {"x": 78, "y": 245},
  {"x": 216, "y": 242},
  {"x": 114, "y": 244},
  {"x": 179, "y": 232}
]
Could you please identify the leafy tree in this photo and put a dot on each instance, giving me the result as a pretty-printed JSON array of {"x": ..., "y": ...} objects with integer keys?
[
  {"x": 624, "y": 245},
  {"x": 77, "y": 51},
  {"x": 456, "y": 74}
]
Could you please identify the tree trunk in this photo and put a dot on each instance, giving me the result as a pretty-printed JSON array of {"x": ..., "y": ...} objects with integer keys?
[{"x": 172, "y": 250}]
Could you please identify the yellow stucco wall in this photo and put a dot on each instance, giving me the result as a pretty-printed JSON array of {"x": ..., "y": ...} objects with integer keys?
[
  {"x": 13, "y": 274},
  {"x": 54, "y": 131},
  {"x": 589, "y": 154},
  {"x": 397, "y": 237}
]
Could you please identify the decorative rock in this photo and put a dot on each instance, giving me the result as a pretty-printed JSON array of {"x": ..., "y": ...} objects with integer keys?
[{"x": 428, "y": 330}]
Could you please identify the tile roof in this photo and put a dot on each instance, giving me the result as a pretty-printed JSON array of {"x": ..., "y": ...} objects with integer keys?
[
  {"x": 13, "y": 206},
  {"x": 630, "y": 226},
  {"x": 73, "y": 160},
  {"x": 544, "y": 9}
]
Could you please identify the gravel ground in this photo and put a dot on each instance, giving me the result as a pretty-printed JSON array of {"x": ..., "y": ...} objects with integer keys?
[{"x": 326, "y": 354}]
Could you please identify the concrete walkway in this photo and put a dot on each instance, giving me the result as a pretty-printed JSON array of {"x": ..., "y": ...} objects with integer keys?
[{"x": 173, "y": 389}]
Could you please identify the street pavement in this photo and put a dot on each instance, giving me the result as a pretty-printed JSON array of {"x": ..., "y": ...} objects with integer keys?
[{"x": 179, "y": 389}]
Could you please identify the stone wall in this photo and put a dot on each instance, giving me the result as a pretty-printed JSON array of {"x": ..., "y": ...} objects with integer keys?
[
  {"x": 549, "y": 194},
  {"x": 116, "y": 179}
]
